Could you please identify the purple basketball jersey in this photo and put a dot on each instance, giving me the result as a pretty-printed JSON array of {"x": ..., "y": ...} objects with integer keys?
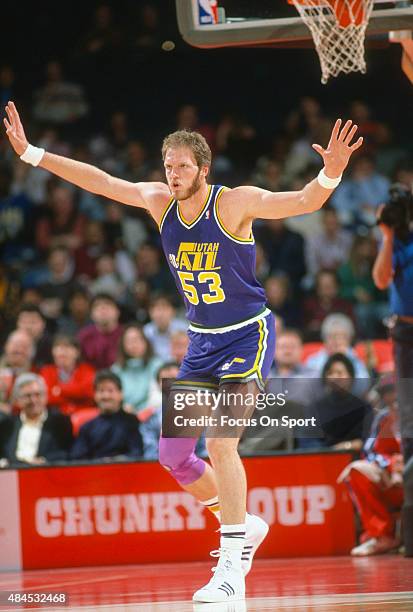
[{"x": 213, "y": 269}]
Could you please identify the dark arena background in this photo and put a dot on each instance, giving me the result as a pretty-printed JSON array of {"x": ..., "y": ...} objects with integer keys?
[{"x": 96, "y": 523}]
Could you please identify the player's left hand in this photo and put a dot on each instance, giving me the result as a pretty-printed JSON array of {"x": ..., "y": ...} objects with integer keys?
[{"x": 339, "y": 149}]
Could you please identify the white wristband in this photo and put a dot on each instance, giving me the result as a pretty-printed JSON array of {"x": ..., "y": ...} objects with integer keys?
[
  {"x": 32, "y": 155},
  {"x": 327, "y": 182}
]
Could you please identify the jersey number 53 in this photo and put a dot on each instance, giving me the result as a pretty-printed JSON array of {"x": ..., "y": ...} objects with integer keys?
[{"x": 212, "y": 279}]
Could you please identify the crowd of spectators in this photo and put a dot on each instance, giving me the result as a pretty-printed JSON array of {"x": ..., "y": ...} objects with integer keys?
[{"x": 84, "y": 286}]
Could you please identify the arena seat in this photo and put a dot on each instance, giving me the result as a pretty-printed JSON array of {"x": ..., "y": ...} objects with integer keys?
[
  {"x": 377, "y": 354},
  {"x": 309, "y": 348},
  {"x": 80, "y": 417}
]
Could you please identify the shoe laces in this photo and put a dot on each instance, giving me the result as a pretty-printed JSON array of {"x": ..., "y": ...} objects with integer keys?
[{"x": 220, "y": 567}]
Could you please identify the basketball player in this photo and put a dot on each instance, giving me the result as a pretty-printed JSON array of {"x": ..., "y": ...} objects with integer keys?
[{"x": 206, "y": 232}]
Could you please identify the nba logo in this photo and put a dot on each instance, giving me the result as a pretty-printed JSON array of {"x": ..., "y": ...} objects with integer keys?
[
  {"x": 207, "y": 214},
  {"x": 208, "y": 12}
]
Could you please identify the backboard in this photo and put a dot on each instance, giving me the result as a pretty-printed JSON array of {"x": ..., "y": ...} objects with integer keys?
[{"x": 269, "y": 22}]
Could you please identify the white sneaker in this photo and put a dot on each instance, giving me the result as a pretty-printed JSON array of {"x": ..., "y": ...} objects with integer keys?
[
  {"x": 376, "y": 546},
  {"x": 256, "y": 530},
  {"x": 227, "y": 583},
  {"x": 231, "y": 606}
]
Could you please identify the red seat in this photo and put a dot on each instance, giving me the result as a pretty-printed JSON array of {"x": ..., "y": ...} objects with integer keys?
[
  {"x": 309, "y": 348},
  {"x": 80, "y": 417},
  {"x": 376, "y": 353}
]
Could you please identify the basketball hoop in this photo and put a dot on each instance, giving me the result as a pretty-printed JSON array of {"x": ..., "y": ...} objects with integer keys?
[{"x": 338, "y": 28}]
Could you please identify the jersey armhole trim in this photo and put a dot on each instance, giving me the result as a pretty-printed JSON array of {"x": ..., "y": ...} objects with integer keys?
[
  {"x": 222, "y": 227},
  {"x": 165, "y": 212}
]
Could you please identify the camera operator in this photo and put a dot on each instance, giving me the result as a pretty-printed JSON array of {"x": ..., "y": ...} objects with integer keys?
[{"x": 393, "y": 269}]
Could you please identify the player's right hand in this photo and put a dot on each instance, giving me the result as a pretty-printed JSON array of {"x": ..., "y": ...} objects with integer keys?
[{"x": 14, "y": 129}]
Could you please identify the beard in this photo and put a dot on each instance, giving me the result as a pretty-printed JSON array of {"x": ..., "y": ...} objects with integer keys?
[{"x": 193, "y": 188}]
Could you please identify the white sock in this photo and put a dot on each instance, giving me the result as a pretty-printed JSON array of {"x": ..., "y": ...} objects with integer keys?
[
  {"x": 213, "y": 506},
  {"x": 233, "y": 540}
]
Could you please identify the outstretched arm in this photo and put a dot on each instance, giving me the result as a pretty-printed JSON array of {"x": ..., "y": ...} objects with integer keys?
[
  {"x": 264, "y": 204},
  {"x": 83, "y": 175},
  {"x": 383, "y": 272}
]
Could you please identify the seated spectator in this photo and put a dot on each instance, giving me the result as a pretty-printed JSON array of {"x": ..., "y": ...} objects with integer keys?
[
  {"x": 122, "y": 230},
  {"x": 31, "y": 320},
  {"x": 30, "y": 295},
  {"x": 150, "y": 267},
  {"x": 279, "y": 324},
  {"x": 16, "y": 209},
  {"x": 107, "y": 278},
  {"x": 103, "y": 38},
  {"x": 162, "y": 325},
  {"x": 388, "y": 155},
  {"x": 113, "y": 435},
  {"x": 288, "y": 356},
  {"x": 367, "y": 124},
  {"x": 187, "y": 118},
  {"x": 136, "y": 367},
  {"x": 17, "y": 359},
  {"x": 324, "y": 302},
  {"x": 278, "y": 292},
  {"x": 69, "y": 383},
  {"x": 288, "y": 366},
  {"x": 59, "y": 283},
  {"x": 284, "y": 248},
  {"x": 59, "y": 101},
  {"x": 337, "y": 333},
  {"x": 342, "y": 418},
  {"x": 179, "y": 345},
  {"x": 357, "y": 286},
  {"x": 10, "y": 296},
  {"x": 107, "y": 149},
  {"x": 358, "y": 196},
  {"x": 262, "y": 267},
  {"x": 78, "y": 314},
  {"x": 99, "y": 341},
  {"x": 136, "y": 167},
  {"x": 301, "y": 153},
  {"x": 151, "y": 417},
  {"x": 268, "y": 175},
  {"x": 92, "y": 247},
  {"x": 35, "y": 436},
  {"x": 100, "y": 243},
  {"x": 300, "y": 120},
  {"x": 236, "y": 147},
  {"x": 375, "y": 482},
  {"x": 61, "y": 225},
  {"x": 329, "y": 248},
  {"x": 150, "y": 31},
  {"x": 138, "y": 298},
  {"x": 404, "y": 174}
]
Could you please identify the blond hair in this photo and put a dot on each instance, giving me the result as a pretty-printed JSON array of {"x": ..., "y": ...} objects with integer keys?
[{"x": 192, "y": 140}]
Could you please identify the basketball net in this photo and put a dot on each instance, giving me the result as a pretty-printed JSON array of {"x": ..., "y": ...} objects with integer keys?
[{"x": 338, "y": 28}]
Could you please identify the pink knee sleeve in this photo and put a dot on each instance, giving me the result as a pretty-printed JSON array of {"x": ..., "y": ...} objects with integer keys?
[{"x": 177, "y": 455}]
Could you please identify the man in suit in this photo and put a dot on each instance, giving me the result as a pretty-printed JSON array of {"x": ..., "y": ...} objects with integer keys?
[
  {"x": 35, "y": 436},
  {"x": 114, "y": 434}
]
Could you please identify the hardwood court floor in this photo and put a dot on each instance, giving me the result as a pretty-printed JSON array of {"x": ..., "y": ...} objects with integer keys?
[{"x": 329, "y": 584}]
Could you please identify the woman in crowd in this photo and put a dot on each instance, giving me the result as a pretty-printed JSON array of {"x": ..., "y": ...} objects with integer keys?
[
  {"x": 136, "y": 367},
  {"x": 69, "y": 382},
  {"x": 342, "y": 418}
]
